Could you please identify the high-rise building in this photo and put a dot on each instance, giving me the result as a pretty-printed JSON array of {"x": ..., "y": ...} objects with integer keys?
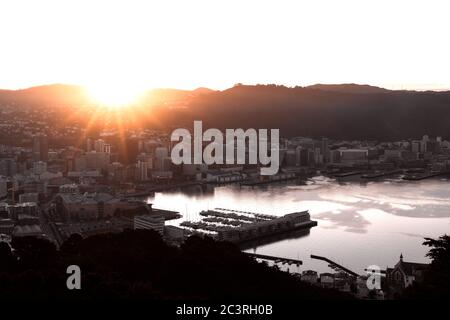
[
  {"x": 301, "y": 156},
  {"x": 335, "y": 156},
  {"x": 142, "y": 170},
  {"x": 99, "y": 145},
  {"x": 89, "y": 145},
  {"x": 325, "y": 150},
  {"x": 416, "y": 146},
  {"x": 107, "y": 148},
  {"x": 8, "y": 167},
  {"x": 3, "y": 187},
  {"x": 161, "y": 153},
  {"x": 318, "y": 156},
  {"x": 40, "y": 147}
]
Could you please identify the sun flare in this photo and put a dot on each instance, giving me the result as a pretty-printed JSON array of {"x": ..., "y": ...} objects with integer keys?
[{"x": 114, "y": 95}]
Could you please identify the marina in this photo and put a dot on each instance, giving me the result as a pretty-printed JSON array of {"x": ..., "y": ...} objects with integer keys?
[{"x": 240, "y": 226}]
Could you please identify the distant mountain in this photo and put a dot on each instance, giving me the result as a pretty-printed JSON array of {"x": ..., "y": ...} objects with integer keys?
[
  {"x": 202, "y": 90},
  {"x": 380, "y": 115},
  {"x": 348, "y": 88},
  {"x": 346, "y": 111},
  {"x": 56, "y": 94}
]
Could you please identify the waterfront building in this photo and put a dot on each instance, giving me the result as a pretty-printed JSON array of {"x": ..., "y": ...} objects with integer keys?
[
  {"x": 27, "y": 208},
  {"x": 327, "y": 280},
  {"x": 310, "y": 276},
  {"x": 392, "y": 154},
  {"x": 224, "y": 177},
  {"x": 267, "y": 227},
  {"x": 33, "y": 230},
  {"x": 351, "y": 156},
  {"x": 6, "y": 226},
  {"x": 92, "y": 206},
  {"x": 194, "y": 170},
  {"x": 150, "y": 222},
  {"x": 404, "y": 274}
]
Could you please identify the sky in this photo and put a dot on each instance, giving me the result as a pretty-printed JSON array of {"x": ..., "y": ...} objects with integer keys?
[{"x": 130, "y": 44}]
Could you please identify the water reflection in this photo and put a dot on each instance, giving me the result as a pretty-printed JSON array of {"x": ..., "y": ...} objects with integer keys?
[
  {"x": 359, "y": 225},
  {"x": 254, "y": 244},
  {"x": 350, "y": 220}
]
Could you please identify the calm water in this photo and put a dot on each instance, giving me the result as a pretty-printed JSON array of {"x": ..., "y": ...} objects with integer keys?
[{"x": 359, "y": 225}]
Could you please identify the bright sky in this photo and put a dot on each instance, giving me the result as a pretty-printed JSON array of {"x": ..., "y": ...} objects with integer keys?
[{"x": 217, "y": 43}]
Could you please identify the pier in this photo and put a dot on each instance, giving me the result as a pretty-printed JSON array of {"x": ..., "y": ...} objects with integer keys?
[
  {"x": 269, "y": 181},
  {"x": 348, "y": 174},
  {"x": 382, "y": 174},
  {"x": 151, "y": 190},
  {"x": 335, "y": 265},
  {"x": 275, "y": 259},
  {"x": 425, "y": 176}
]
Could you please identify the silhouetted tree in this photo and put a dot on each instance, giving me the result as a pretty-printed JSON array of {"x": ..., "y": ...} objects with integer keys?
[
  {"x": 7, "y": 259},
  {"x": 34, "y": 252},
  {"x": 436, "y": 280}
]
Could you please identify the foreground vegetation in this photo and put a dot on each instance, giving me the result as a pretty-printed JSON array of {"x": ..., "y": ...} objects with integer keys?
[{"x": 138, "y": 264}]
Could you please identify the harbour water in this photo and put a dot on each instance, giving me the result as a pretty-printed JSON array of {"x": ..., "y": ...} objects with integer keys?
[{"x": 359, "y": 224}]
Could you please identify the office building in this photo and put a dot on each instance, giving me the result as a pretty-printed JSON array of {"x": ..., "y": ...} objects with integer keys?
[{"x": 40, "y": 148}]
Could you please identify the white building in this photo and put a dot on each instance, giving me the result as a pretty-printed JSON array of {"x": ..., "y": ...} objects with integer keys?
[{"x": 149, "y": 222}]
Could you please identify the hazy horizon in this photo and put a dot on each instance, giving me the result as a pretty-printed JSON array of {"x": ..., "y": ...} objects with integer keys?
[{"x": 245, "y": 84}]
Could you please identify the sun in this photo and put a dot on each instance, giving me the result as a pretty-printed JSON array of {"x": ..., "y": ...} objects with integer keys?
[{"x": 114, "y": 95}]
